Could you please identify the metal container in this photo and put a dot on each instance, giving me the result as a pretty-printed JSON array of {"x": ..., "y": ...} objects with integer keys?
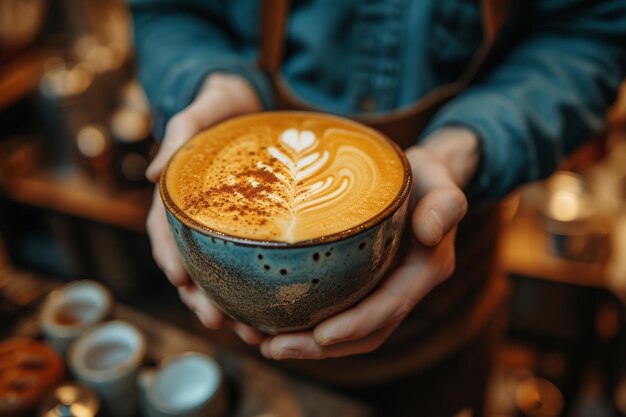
[
  {"x": 70, "y": 400},
  {"x": 569, "y": 210}
]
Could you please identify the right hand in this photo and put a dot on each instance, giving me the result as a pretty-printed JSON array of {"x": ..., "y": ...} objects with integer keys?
[{"x": 221, "y": 97}]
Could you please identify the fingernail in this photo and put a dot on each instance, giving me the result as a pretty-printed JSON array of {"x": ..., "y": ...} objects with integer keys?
[
  {"x": 434, "y": 226},
  {"x": 288, "y": 353}
]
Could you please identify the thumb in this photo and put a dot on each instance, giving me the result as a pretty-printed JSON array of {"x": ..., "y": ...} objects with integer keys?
[
  {"x": 438, "y": 211},
  {"x": 178, "y": 131},
  {"x": 222, "y": 97}
]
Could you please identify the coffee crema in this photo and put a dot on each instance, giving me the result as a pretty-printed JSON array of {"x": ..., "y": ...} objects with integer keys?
[{"x": 284, "y": 176}]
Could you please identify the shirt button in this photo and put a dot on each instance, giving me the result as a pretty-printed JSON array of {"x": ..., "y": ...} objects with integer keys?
[{"x": 367, "y": 104}]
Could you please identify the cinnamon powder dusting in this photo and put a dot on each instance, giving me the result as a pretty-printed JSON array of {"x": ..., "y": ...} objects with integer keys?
[
  {"x": 284, "y": 177},
  {"x": 255, "y": 195}
]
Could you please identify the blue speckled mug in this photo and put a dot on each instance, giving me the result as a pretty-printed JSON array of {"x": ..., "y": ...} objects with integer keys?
[{"x": 279, "y": 287}]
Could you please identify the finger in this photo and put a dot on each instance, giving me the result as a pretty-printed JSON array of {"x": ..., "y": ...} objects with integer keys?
[
  {"x": 428, "y": 172},
  {"x": 216, "y": 105},
  {"x": 219, "y": 102},
  {"x": 389, "y": 303},
  {"x": 303, "y": 346},
  {"x": 199, "y": 303},
  {"x": 439, "y": 203},
  {"x": 179, "y": 129},
  {"x": 246, "y": 333},
  {"x": 163, "y": 245},
  {"x": 438, "y": 212}
]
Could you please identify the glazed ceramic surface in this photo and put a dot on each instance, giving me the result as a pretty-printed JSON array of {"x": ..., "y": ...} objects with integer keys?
[
  {"x": 186, "y": 385},
  {"x": 278, "y": 288}
]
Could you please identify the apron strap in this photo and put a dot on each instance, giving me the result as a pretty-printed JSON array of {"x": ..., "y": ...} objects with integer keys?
[
  {"x": 273, "y": 27},
  {"x": 495, "y": 13},
  {"x": 403, "y": 125}
]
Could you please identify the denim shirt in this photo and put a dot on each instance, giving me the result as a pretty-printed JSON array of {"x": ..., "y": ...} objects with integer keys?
[{"x": 547, "y": 92}]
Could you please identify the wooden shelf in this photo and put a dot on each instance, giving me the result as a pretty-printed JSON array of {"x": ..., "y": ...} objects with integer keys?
[{"x": 77, "y": 195}]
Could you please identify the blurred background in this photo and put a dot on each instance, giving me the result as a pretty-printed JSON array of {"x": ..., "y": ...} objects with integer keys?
[{"x": 74, "y": 144}]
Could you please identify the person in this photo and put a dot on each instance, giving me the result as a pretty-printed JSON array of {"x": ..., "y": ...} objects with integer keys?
[{"x": 534, "y": 85}]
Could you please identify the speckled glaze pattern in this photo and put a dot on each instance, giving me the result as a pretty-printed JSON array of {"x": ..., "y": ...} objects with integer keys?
[{"x": 286, "y": 288}]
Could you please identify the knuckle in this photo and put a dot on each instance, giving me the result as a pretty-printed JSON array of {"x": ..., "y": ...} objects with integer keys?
[
  {"x": 211, "y": 323},
  {"x": 459, "y": 200},
  {"x": 184, "y": 297},
  {"x": 405, "y": 304},
  {"x": 216, "y": 80},
  {"x": 179, "y": 119},
  {"x": 177, "y": 123},
  {"x": 206, "y": 322},
  {"x": 403, "y": 310},
  {"x": 176, "y": 276},
  {"x": 355, "y": 330}
]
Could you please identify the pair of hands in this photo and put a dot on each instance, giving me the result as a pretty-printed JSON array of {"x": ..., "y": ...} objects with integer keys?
[{"x": 441, "y": 166}]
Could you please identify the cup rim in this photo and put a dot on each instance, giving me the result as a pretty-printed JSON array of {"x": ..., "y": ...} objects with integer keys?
[
  {"x": 85, "y": 373},
  {"x": 388, "y": 211},
  {"x": 158, "y": 403},
  {"x": 54, "y": 300}
]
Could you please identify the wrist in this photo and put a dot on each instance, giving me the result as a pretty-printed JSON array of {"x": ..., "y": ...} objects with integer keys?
[{"x": 458, "y": 148}]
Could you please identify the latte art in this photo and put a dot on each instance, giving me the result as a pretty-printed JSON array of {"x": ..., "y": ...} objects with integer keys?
[{"x": 285, "y": 178}]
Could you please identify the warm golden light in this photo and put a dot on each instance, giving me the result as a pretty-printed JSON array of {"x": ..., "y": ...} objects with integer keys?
[{"x": 564, "y": 206}]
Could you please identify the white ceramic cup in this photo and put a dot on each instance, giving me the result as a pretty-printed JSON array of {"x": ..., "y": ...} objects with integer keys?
[
  {"x": 186, "y": 385},
  {"x": 108, "y": 358},
  {"x": 71, "y": 309}
]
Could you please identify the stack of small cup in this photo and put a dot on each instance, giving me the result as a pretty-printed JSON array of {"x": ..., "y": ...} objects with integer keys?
[{"x": 108, "y": 357}]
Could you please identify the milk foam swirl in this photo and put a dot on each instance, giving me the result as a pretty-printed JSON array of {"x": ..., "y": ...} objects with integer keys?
[{"x": 290, "y": 180}]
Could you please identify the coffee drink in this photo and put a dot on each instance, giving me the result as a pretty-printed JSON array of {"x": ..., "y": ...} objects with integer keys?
[
  {"x": 286, "y": 177},
  {"x": 284, "y": 219}
]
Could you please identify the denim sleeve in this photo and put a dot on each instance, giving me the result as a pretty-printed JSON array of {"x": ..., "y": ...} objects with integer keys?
[
  {"x": 545, "y": 97},
  {"x": 178, "y": 43}
]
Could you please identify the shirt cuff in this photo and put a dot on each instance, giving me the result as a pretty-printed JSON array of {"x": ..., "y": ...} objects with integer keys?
[{"x": 506, "y": 157}]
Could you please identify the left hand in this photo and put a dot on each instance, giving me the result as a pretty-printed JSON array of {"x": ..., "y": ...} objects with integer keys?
[
  {"x": 441, "y": 166},
  {"x": 222, "y": 96}
]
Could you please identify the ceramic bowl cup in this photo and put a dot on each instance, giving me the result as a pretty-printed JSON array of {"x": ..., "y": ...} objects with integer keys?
[
  {"x": 108, "y": 359},
  {"x": 70, "y": 310},
  {"x": 186, "y": 385},
  {"x": 279, "y": 287}
]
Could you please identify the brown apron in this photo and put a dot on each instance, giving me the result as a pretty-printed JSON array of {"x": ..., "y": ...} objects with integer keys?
[{"x": 454, "y": 312}]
